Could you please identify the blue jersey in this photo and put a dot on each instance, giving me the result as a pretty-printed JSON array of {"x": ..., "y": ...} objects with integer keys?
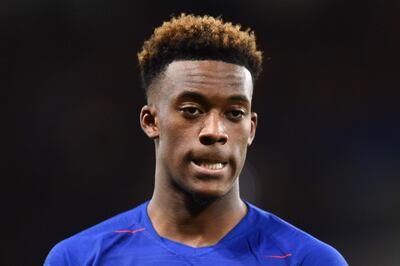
[{"x": 260, "y": 238}]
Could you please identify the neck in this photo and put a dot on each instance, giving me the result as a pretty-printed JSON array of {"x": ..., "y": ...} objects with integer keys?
[{"x": 183, "y": 218}]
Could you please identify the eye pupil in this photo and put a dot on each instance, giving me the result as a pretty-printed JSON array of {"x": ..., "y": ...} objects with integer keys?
[
  {"x": 191, "y": 111},
  {"x": 236, "y": 115}
]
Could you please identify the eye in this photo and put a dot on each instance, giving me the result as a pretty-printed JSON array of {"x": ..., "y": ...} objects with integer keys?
[
  {"x": 235, "y": 114},
  {"x": 191, "y": 111}
]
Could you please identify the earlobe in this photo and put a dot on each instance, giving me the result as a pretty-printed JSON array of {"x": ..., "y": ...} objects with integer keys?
[
  {"x": 253, "y": 128},
  {"x": 149, "y": 121}
]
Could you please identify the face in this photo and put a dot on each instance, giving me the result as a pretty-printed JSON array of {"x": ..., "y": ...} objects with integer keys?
[{"x": 199, "y": 115}]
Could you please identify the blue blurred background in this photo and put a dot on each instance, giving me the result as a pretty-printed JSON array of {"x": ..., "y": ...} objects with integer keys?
[{"x": 326, "y": 157}]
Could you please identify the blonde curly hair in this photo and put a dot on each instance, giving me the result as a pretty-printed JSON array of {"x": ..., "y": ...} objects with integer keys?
[{"x": 190, "y": 37}]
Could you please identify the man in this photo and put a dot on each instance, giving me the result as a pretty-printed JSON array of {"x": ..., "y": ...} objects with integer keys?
[{"x": 198, "y": 73}]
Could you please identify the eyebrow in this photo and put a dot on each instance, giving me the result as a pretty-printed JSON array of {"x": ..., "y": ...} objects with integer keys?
[
  {"x": 239, "y": 98},
  {"x": 195, "y": 96}
]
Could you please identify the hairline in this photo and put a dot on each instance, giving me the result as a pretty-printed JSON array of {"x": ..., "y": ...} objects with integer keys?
[{"x": 159, "y": 77}]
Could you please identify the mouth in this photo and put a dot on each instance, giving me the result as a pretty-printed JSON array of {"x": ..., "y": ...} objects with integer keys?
[{"x": 210, "y": 165}]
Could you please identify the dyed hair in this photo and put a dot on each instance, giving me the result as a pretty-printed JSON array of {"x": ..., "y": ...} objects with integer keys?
[{"x": 189, "y": 37}]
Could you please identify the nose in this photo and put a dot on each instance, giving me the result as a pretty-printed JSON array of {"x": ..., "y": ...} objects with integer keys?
[{"x": 213, "y": 131}]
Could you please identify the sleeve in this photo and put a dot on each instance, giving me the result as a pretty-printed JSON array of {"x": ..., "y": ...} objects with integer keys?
[{"x": 324, "y": 255}]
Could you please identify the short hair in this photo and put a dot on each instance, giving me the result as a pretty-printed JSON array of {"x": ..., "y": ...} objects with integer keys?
[{"x": 190, "y": 37}]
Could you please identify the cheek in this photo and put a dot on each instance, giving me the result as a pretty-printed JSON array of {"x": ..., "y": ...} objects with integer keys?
[
  {"x": 242, "y": 135},
  {"x": 174, "y": 136}
]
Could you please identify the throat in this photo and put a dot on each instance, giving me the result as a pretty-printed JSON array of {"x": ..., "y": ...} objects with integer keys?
[{"x": 202, "y": 226}]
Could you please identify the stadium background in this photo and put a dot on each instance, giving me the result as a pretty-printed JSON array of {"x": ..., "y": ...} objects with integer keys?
[{"x": 326, "y": 156}]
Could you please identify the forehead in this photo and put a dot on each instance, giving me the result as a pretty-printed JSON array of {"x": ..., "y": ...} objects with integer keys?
[{"x": 212, "y": 78}]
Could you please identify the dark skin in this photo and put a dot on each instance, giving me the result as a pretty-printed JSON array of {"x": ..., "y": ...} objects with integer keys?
[{"x": 199, "y": 116}]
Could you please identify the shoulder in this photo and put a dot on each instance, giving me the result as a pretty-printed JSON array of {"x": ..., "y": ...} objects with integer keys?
[
  {"x": 298, "y": 246},
  {"x": 79, "y": 248},
  {"x": 323, "y": 254}
]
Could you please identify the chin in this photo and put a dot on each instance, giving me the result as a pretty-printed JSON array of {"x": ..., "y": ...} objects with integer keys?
[{"x": 206, "y": 194}]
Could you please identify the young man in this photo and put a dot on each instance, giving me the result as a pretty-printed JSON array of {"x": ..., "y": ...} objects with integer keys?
[{"x": 198, "y": 73}]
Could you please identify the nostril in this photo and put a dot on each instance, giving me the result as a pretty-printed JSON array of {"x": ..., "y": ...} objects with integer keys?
[
  {"x": 209, "y": 139},
  {"x": 205, "y": 140}
]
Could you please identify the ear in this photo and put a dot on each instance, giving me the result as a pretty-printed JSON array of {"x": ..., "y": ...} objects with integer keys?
[
  {"x": 253, "y": 128},
  {"x": 149, "y": 121}
]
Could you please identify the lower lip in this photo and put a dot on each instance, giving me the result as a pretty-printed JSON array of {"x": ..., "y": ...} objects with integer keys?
[{"x": 207, "y": 171}]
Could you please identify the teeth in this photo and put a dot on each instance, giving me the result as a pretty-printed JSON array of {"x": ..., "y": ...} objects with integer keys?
[{"x": 212, "y": 166}]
